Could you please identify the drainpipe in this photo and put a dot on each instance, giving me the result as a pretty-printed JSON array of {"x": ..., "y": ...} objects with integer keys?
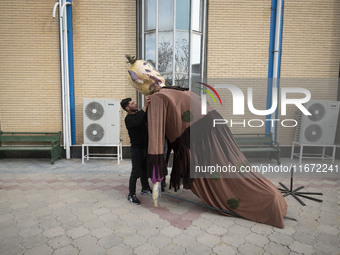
[
  {"x": 66, "y": 83},
  {"x": 59, "y": 4},
  {"x": 71, "y": 72},
  {"x": 64, "y": 74},
  {"x": 274, "y": 65}
]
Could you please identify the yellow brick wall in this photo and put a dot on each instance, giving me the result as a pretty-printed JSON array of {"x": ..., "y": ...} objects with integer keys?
[
  {"x": 29, "y": 67},
  {"x": 30, "y": 88},
  {"x": 105, "y": 30},
  {"x": 310, "y": 51},
  {"x": 238, "y": 41},
  {"x": 237, "y": 51}
]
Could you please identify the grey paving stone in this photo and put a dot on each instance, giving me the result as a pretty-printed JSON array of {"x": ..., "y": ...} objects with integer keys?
[
  {"x": 77, "y": 232},
  {"x": 101, "y": 211},
  {"x": 67, "y": 250},
  {"x": 148, "y": 231},
  {"x": 250, "y": 249},
  {"x": 43, "y": 249},
  {"x": 28, "y": 232},
  {"x": 21, "y": 204},
  {"x": 11, "y": 249},
  {"x": 94, "y": 224},
  {"x": 121, "y": 249},
  {"x": 328, "y": 230},
  {"x": 237, "y": 229},
  {"x": 307, "y": 237},
  {"x": 91, "y": 250},
  {"x": 45, "y": 217},
  {"x": 184, "y": 240},
  {"x": 202, "y": 223},
  {"x": 47, "y": 223},
  {"x": 160, "y": 241},
  {"x": 217, "y": 230},
  {"x": 146, "y": 248},
  {"x": 124, "y": 231},
  {"x": 197, "y": 249},
  {"x": 170, "y": 231},
  {"x": 301, "y": 248},
  {"x": 257, "y": 239},
  {"x": 173, "y": 249},
  {"x": 223, "y": 249},
  {"x": 134, "y": 240},
  {"x": 194, "y": 231},
  {"x": 209, "y": 240},
  {"x": 33, "y": 241},
  {"x": 84, "y": 241},
  {"x": 6, "y": 219},
  {"x": 53, "y": 232},
  {"x": 275, "y": 248},
  {"x": 327, "y": 248},
  {"x": 233, "y": 239},
  {"x": 109, "y": 241},
  {"x": 101, "y": 232},
  {"x": 59, "y": 242},
  {"x": 280, "y": 238}
]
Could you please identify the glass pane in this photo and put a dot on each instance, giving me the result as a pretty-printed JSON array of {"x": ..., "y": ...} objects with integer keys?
[
  {"x": 165, "y": 51},
  {"x": 150, "y": 15},
  {"x": 182, "y": 52},
  {"x": 182, "y": 14},
  {"x": 196, "y": 49},
  {"x": 150, "y": 47},
  {"x": 168, "y": 78},
  {"x": 196, "y": 15},
  {"x": 165, "y": 15},
  {"x": 182, "y": 80},
  {"x": 196, "y": 68},
  {"x": 195, "y": 78}
]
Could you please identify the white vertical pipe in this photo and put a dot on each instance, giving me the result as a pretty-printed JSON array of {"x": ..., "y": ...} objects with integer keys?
[
  {"x": 203, "y": 38},
  {"x": 157, "y": 34},
  {"x": 66, "y": 95},
  {"x": 64, "y": 74},
  {"x": 276, "y": 53},
  {"x": 191, "y": 45},
  {"x": 143, "y": 41},
  {"x": 174, "y": 46},
  {"x": 62, "y": 69}
]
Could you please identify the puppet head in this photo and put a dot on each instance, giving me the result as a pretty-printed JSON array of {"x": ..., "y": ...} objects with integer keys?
[{"x": 143, "y": 76}]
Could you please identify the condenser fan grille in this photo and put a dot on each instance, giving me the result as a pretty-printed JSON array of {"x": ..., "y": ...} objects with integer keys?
[
  {"x": 313, "y": 133},
  {"x": 94, "y": 132},
  {"x": 94, "y": 111},
  {"x": 318, "y": 112}
]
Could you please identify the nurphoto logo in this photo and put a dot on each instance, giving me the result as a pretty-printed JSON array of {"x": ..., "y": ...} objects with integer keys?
[{"x": 238, "y": 100}]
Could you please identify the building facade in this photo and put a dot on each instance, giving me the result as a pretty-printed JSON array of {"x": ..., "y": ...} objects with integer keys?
[{"x": 234, "y": 39}]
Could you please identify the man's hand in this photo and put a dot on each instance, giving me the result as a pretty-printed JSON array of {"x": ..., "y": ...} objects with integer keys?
[{"x": 146, "y": 103}]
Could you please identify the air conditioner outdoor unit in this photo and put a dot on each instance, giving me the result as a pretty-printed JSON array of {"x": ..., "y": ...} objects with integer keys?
[
  {"x": 320, "y": 127},
  {"x": 101, "y": 121}
]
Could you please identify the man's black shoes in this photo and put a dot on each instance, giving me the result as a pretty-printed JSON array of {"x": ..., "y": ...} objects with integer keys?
[
  {"x": 133, "y": 199},
  {"x": 147, "y": 191},
  {"x": 163, "y": 185}
]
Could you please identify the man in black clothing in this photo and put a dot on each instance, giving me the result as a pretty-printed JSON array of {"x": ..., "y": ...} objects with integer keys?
[{"x": 136, "y": 124}]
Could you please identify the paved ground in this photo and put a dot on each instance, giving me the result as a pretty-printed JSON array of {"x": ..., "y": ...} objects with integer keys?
[{"x": 69, "y": 208}]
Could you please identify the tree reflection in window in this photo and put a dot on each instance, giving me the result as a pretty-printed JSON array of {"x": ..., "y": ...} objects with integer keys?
[{"x": 173, "y": 38}]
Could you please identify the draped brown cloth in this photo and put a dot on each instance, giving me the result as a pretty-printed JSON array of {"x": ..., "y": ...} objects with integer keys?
[{"x": 177, "y": 115}]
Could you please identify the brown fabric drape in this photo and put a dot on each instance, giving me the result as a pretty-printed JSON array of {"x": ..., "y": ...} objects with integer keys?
[{"x": 176, "y": 114}]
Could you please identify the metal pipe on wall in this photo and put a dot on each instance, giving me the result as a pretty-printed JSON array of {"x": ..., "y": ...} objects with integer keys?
[
  {"x": 64, "y": 74},
  {"x": 274, "y": 63}
]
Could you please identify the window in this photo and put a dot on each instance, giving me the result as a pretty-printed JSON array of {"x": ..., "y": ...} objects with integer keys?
[{"x": 171, "y": 35}]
